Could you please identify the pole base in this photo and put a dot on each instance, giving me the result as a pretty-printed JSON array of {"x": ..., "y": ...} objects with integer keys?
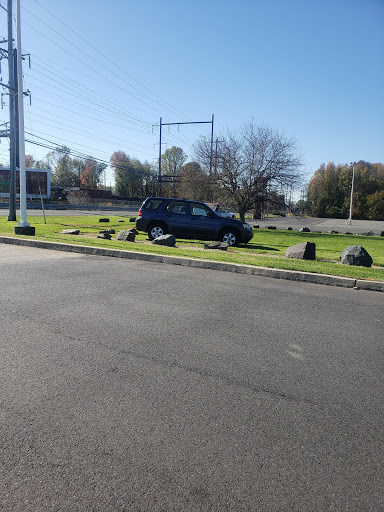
[{"x": 25, "y": 230}]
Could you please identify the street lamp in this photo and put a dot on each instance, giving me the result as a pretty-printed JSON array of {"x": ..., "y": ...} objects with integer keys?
[{"x": 350, "y": 206}]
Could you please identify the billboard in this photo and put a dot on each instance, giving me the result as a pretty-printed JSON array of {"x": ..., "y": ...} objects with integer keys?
[{"x": 36, "y": 180}]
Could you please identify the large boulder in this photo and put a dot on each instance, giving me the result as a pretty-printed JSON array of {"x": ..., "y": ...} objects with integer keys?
[
  {"x": 104, "y": 236},
  {"x": 356, "y": 255},
  {"x": 127, "y": 236},
  {"x": 70, "y": 232},
  {"x": 303, "y": 251},
  {"x": 222, "y": 246},
  {"x": 109, "y": 231},
  {"x": 304, "y": 230},
  {"x": 168, "y": 240}
]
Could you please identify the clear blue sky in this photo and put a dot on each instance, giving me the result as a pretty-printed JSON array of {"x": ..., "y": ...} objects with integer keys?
[{"x": 104, "y": 72}]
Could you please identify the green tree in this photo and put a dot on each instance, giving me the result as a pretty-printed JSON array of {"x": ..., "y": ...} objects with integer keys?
[
  {"x": 329, "y": 190},
  {"x": 132, "y": 177}
]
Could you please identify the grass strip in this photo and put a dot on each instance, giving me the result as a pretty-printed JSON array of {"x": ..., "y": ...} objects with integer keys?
[{"x": 266, "y": 249}]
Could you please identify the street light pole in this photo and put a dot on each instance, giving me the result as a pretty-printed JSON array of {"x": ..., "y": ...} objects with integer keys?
[{"x": 350, "y": 206}]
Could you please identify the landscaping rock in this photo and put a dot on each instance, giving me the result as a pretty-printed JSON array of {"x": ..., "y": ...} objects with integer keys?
[
  {"x": 71, "y": 232},
  {"x": 104, "y": 236},
  {"x": 121, "y": 220},
  {"x": 271, "y": 227},
  {"x": 128, "y": 235},
  {"x": 333, "y": 232},
  {"x": 290, "y": 229},
  {"x": 303, "y": 251},
  {"x": 103, "y": 220},
  {"x": 304, "y": 230},
  {"x": 368, "y": 233},
  {"x": 222, "y": 246},
  {"x": 356, "y": 255},
  {"x": 382, "y": 233},
  {"x": 168, "y": 240},
  {"x": 256, "y": 226},
  {"x": 110, "y": 231},
  {"x": 132, "y": 219}
]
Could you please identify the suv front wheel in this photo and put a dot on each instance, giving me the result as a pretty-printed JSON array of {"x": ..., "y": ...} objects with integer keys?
[
  {"x": 230, "y": 236},
  {"x": 157, "y": 229}
]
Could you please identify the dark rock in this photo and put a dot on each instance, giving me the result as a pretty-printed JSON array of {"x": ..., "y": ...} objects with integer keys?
[
  {"x": 271, "y": 227},
  {"x": 132, "y": 219},
  {"x": 127, "y": 236},
  {"x": 348, "y": 233},
  {"x": 368, "y": 233},
  {"x": 103, "y": 220},
  {"x": 333, "y": 232},
  {"x": 256, "y": 226},
  {"x": 382, "y": 233},
  {"x": 110, "y": 231},
  {"x": 304, "y": 230},
  {"x": 303, "y": 251},
  {"x": 289, "y": 229},
  {"x": 222, "y": 246},
  {"x": 71, "y": 232},
  {"x": 121, "y": 220},
  {"x": 356, "y": 255},
  {"x": 168, "y": 240},
  {"x": 104, "y": 236}
]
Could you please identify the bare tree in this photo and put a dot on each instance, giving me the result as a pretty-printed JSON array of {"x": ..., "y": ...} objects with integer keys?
[{"x": 250, "y": 164}]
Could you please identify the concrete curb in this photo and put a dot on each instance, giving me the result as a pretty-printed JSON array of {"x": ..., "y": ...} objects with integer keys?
[{"x": 289, "y": 275}]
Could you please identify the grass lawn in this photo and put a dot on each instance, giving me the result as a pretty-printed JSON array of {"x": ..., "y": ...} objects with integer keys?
[{"x": 266, "y": 249}]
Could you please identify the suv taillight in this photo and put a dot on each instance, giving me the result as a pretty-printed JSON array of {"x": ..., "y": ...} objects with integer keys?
[{"x": 140, "y": 214}]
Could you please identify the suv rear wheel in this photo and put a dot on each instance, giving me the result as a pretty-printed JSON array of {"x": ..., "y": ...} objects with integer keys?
[
  {"x": 157, "y": 229},
  {"x": 230, "y": 236}
]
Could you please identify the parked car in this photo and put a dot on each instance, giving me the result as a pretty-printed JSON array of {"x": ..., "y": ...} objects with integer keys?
[
  {"x": 226, "y": 214},
  {"x": 189, "y": 219}
]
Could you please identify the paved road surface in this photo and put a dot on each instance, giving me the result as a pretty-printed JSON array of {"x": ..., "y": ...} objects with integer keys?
[{"x": 135, "y": 386}]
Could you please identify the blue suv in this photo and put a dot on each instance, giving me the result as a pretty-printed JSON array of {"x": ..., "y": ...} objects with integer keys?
[{"x": 189, "y": 219}]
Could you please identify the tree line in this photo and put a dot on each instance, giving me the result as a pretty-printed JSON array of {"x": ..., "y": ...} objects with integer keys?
[
  {"x": 329, "y": 191},
  {"x": 68, "y": 171}
]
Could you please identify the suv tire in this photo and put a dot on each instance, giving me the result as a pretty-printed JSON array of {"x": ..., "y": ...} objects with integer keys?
[
  {"x": 230, "y": 236},
  {"x": 157, "y": 229}
]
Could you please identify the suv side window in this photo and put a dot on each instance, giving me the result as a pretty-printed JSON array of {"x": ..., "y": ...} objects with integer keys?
[
  {"x": 176, "y": 207},
  {"x": 198, "y": 209},
  {"x": 153, "y": 204}
]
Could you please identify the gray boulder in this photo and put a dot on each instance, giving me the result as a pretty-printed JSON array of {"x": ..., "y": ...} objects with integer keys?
[
  {"x": 356, "y": 255},
  {"x": 104, "y": 236},
  {"x": 109, "y": 231},
  {"x": 303, "y": 251},
  {"x": 304, "y": 230},
  {"x": 168, "y": 240},
  {"x": 222, "y": 246},
  {"x": 70, "y": 232},
  {"x": 127, "y": 236}
]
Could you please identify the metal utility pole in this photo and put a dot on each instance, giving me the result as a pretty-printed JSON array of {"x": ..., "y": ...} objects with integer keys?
[
  {"x": 12, "y": 117},
  {"x": 161, "y": 178},
  {"x": 23, "y": 226},
  {"x": 159, "y": 191},
  {"x": 349, "y": 222}
]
